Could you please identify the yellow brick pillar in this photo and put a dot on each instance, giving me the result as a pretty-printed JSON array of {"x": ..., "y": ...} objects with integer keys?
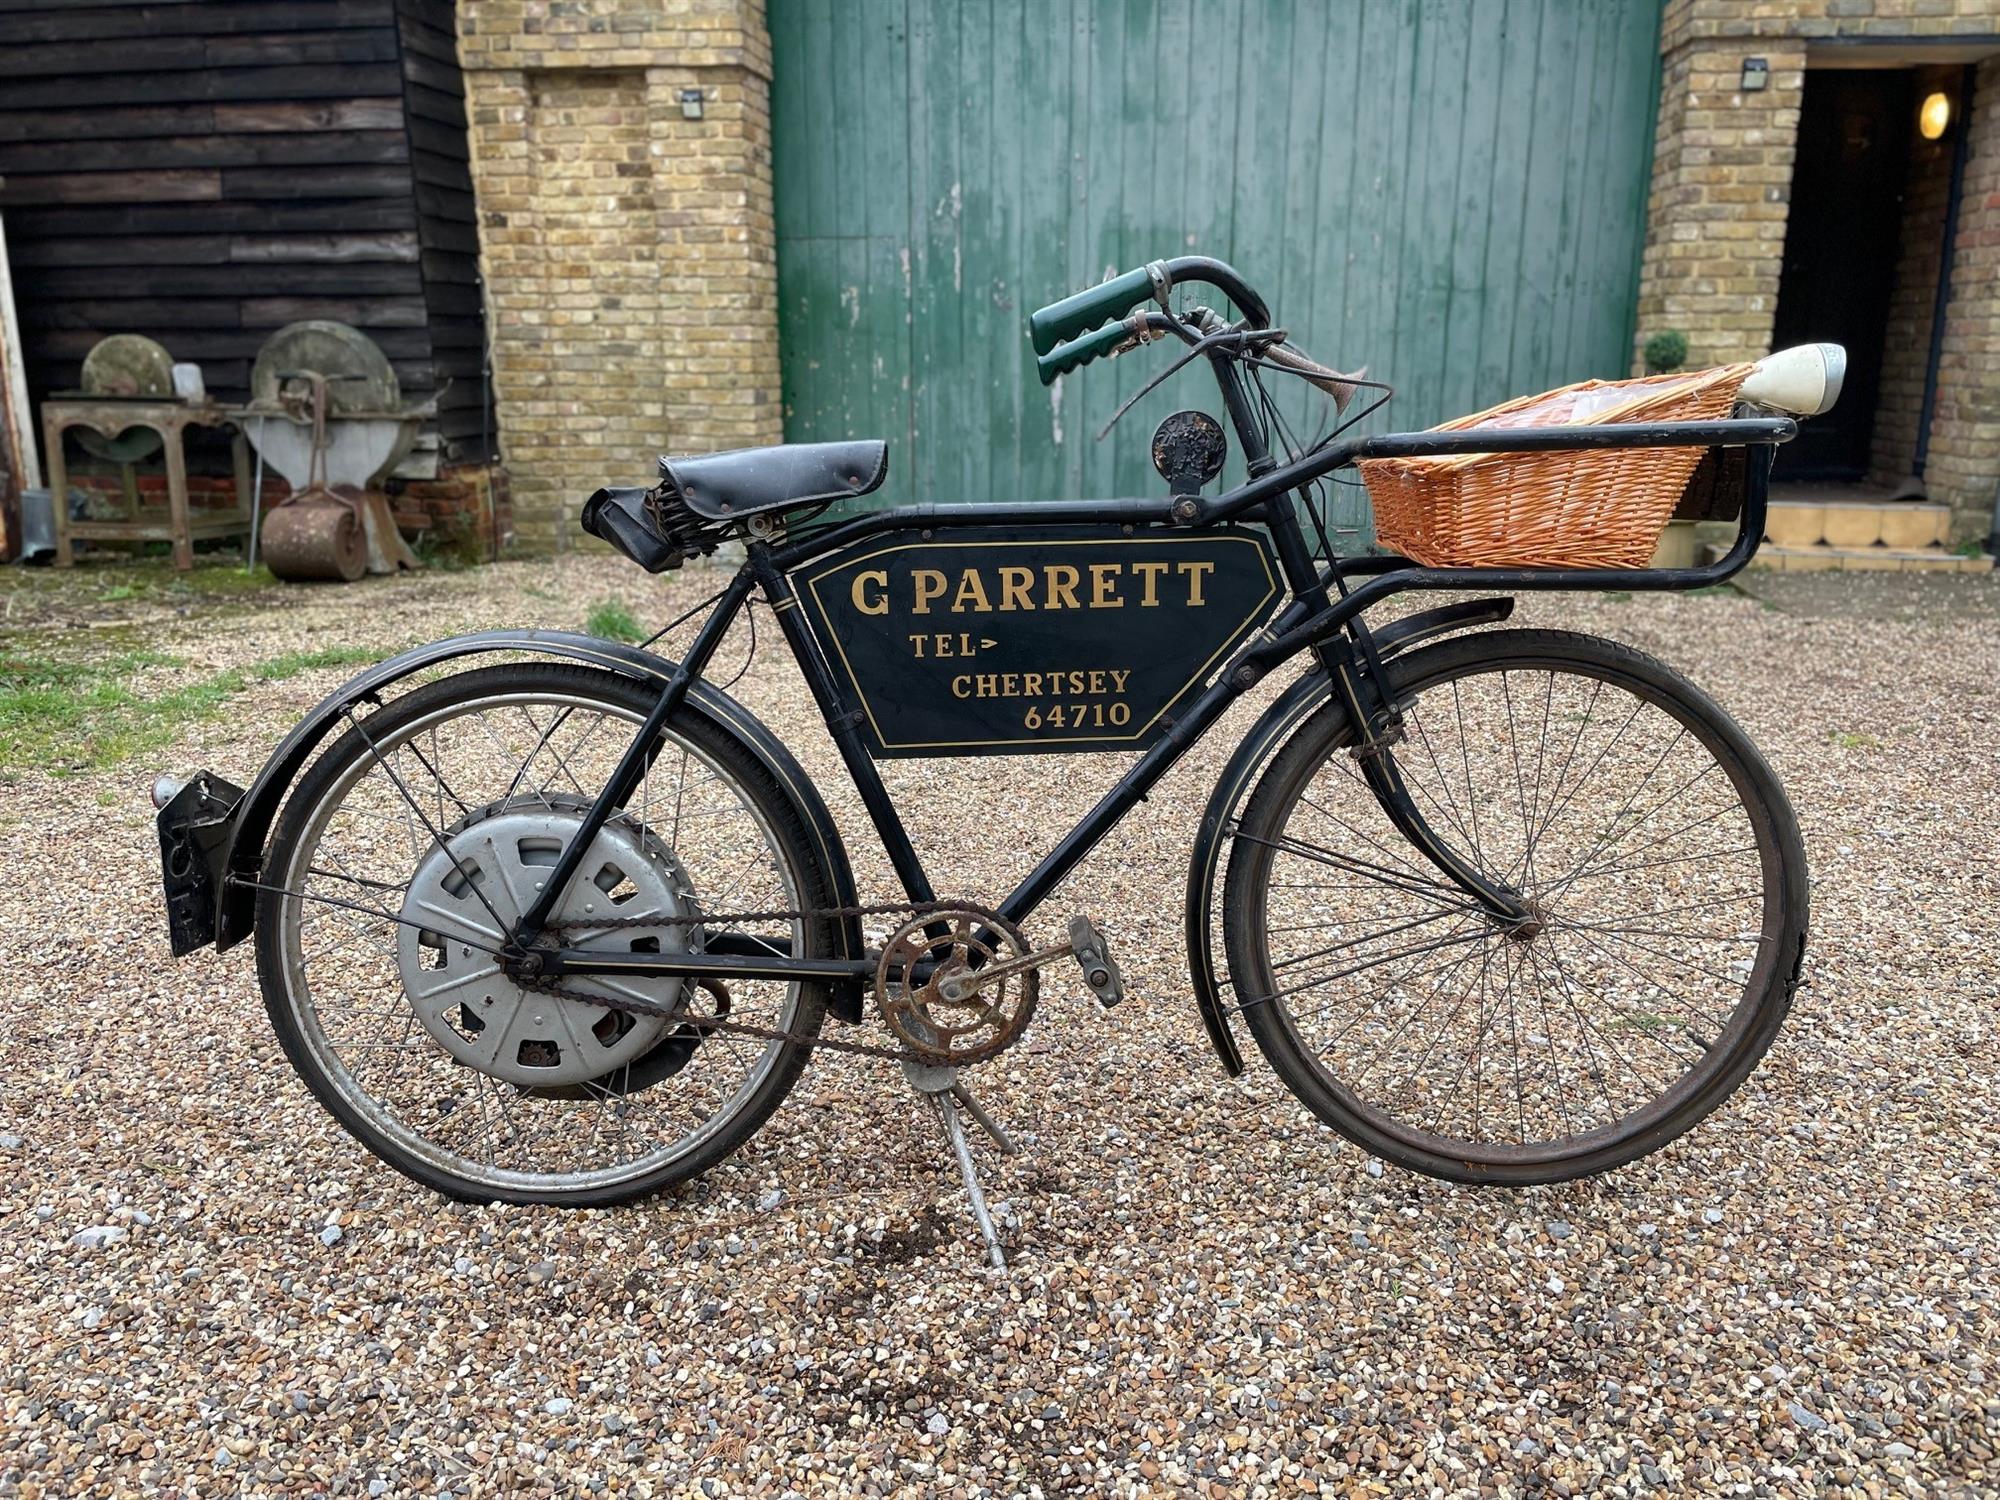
[
  {"x": 1722, "y": 171},
  {"x": 621, "y": 155}
]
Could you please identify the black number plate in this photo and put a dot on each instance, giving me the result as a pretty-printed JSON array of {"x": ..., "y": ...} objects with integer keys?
[{"x": 1033, "y": 639}]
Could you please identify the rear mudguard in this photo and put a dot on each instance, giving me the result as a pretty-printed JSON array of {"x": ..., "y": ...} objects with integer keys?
[
  {"x": 1270, "y": 731},
  {"x": 254, "y": 815}
]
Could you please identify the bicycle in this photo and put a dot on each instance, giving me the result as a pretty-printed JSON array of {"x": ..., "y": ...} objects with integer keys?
[{"x": 1501, "y": 906}]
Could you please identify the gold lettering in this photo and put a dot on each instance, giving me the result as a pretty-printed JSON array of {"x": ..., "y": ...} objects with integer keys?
[
  {"x": 928, "y": 584},
  {"x": 1150, "y": 574},
  {"x": 917, "y": 645},
  {"x": 959, "y": 688},
  {"x": 969, "y": 587},
  {"x": 1017, "y": 588},
  {"x": 1118, "y": 680},
  {"x": 1010, "y": 684},
  {"x": 1065, "y": 591},
  {"x": 1096, "y": 683},
  {"x": 1104, "y": 586},
  {"x": 1195, "y": 572},
  {"x": 984, "y": 684},
  {"x": 880, "y": 604},
  {"x": 1031, "y": 684}
]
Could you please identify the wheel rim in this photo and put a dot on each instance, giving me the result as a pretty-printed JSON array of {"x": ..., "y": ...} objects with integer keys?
[
  {"x": 1654, "y": 875},
  {"x": 344, "y": 969}
]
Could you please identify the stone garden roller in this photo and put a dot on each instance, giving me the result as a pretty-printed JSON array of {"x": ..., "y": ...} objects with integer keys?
[{"x": 326, "y": 412}]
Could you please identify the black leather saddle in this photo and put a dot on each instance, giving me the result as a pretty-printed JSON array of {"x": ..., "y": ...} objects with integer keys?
[{"x": 749, "y": 481}]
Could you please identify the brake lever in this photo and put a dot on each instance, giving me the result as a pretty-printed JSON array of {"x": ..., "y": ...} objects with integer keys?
[{"x": 1199, "y": 345}]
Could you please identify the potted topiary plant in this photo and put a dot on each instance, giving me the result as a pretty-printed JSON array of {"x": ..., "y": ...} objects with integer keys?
[{"x": 1666, "y": 351}]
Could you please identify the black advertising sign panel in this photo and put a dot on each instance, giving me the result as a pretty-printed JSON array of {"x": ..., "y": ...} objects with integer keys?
[{"x": 989, "y": 641}]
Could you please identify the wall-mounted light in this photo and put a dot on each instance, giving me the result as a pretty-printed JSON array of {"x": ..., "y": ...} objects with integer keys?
[
  {"x": 690, "y": 104},
  {"x": 1934, "y": 117},
  {"x": 1756, "y": 75}
]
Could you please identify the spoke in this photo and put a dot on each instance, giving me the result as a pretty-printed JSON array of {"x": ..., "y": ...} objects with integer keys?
[
  {"x": 1569, "y": 757},
  {"x": 1585, "y": 870},
  {"x": 1416, "y": 871},
  {"x": 436, "y": 837},
  {"x": 373, "y": 885},
  {"x": 562, "y": 759},
  {"x": 1435, "y": 990},
  {"x": 1654, "y": 984},
  {"x": 1417, "y": 951},
  {"x": 1549, "y": 1040},
  {"x": 1443, "y": 973},
  {"x": 1392, "y": 878},
  {"x": 1586, "y": 933},
  {"x": 1618, "y": 818},
  {"x": 1465, "y": 760},
  {"x": 1485, "y": 962},
  {"x": 1585, "y": 1027},
  {"x": 1414, "y": 720},
  {"x": 1648, "y": 864},
  {"x": 1401, "y": 925},
  {"x": 482, "y": 944},
  {"x": 545, "y": 735}
]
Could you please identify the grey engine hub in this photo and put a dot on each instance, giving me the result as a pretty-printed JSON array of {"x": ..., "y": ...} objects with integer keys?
[{"x": 472, "y": 1008}]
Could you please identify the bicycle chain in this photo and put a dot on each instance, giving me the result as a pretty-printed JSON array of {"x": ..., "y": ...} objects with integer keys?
[{"x": 748, "y": 1028}]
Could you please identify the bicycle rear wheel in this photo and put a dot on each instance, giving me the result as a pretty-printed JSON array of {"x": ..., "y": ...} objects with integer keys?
[{"x": 1667, "y": 884}]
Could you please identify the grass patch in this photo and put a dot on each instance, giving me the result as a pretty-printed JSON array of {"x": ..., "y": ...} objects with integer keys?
[
  {"x": 64, "y": 717},
  {"x": 1855, "y": 741},
  {"x": 1617, "y": 596},
  {"x": 612, "y": 620}
]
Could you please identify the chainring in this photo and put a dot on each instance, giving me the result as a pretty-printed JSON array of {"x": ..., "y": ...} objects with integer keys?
[{"x": 954, "y": 938}]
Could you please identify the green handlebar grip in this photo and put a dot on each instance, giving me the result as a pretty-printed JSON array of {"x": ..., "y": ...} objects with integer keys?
[
  {"x": 1083, "y": 311},
  {"x": 1066, "y": 357}
]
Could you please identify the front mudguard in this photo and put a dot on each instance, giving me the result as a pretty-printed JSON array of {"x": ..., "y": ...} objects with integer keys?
[
  {"x": 252, "y": 817},
  {"x": 1270, "y": 731}
]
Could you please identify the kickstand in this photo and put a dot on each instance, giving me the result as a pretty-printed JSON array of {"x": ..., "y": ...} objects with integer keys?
[{"x": 941, "y": 1089}]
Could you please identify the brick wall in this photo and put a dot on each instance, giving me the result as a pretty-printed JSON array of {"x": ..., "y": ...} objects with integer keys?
[
  {"x": 628, "y": 251},
  {"x": 1906, "y": 342},
  {"x": 1964, "y": 468},
  {"x": 1720, "y": 194}
]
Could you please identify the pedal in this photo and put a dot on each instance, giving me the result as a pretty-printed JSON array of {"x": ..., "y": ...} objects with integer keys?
[{"x": 1100, "y": 971}]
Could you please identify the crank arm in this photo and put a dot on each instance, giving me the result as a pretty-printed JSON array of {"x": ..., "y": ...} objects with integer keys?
[
  {"x": 959, "y": 987},
  {"x": 1086, "y": 945}
]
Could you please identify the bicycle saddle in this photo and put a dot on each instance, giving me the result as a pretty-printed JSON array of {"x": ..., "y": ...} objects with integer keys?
[{"x": 748, "y": 481}]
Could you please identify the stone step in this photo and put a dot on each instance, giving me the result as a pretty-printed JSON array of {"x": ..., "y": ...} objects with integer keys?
[
  {"x": 1857, "y": 523},
  {"x": 1858, "y": 559}
]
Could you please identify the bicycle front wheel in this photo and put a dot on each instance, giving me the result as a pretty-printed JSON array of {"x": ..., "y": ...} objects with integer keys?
[{"x": 1666, "y": 883}]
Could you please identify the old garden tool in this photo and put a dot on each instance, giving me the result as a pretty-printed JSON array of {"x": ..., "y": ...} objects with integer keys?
[
  {"x": 319, "y": 532},
  {"x": 126, "y": 364},
  {"x": 326, "y": 412}
]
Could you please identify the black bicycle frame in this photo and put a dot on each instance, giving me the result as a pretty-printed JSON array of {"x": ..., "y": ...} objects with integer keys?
[{"x": 1313, "y": 620}]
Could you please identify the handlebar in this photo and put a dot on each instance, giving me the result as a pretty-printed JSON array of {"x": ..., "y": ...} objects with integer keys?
[{"x": 1083, "y": 311}]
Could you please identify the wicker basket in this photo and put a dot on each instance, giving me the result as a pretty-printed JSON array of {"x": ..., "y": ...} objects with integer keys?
[{"x": 1578, "y": 508}]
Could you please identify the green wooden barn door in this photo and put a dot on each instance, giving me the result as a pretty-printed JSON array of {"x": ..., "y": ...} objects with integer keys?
[{"x": 1448, "y": 192}]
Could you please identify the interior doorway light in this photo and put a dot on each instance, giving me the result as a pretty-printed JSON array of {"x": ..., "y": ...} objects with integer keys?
[{"x": 1934, "y": 116}]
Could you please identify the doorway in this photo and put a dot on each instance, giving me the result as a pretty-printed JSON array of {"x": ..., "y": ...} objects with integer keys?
[{"x": 1841, "y": 244}]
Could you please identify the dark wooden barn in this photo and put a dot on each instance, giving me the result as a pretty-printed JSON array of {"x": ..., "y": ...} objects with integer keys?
[{"x": 206, "y": 171}]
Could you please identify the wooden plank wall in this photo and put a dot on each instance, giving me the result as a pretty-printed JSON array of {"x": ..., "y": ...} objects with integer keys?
[
  {"x": 1448, "y": 192},
  {"x": 205, "y": 171}
]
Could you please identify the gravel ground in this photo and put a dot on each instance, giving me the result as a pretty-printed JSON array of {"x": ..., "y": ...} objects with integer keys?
[{"x": 209, "y": 1289}]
